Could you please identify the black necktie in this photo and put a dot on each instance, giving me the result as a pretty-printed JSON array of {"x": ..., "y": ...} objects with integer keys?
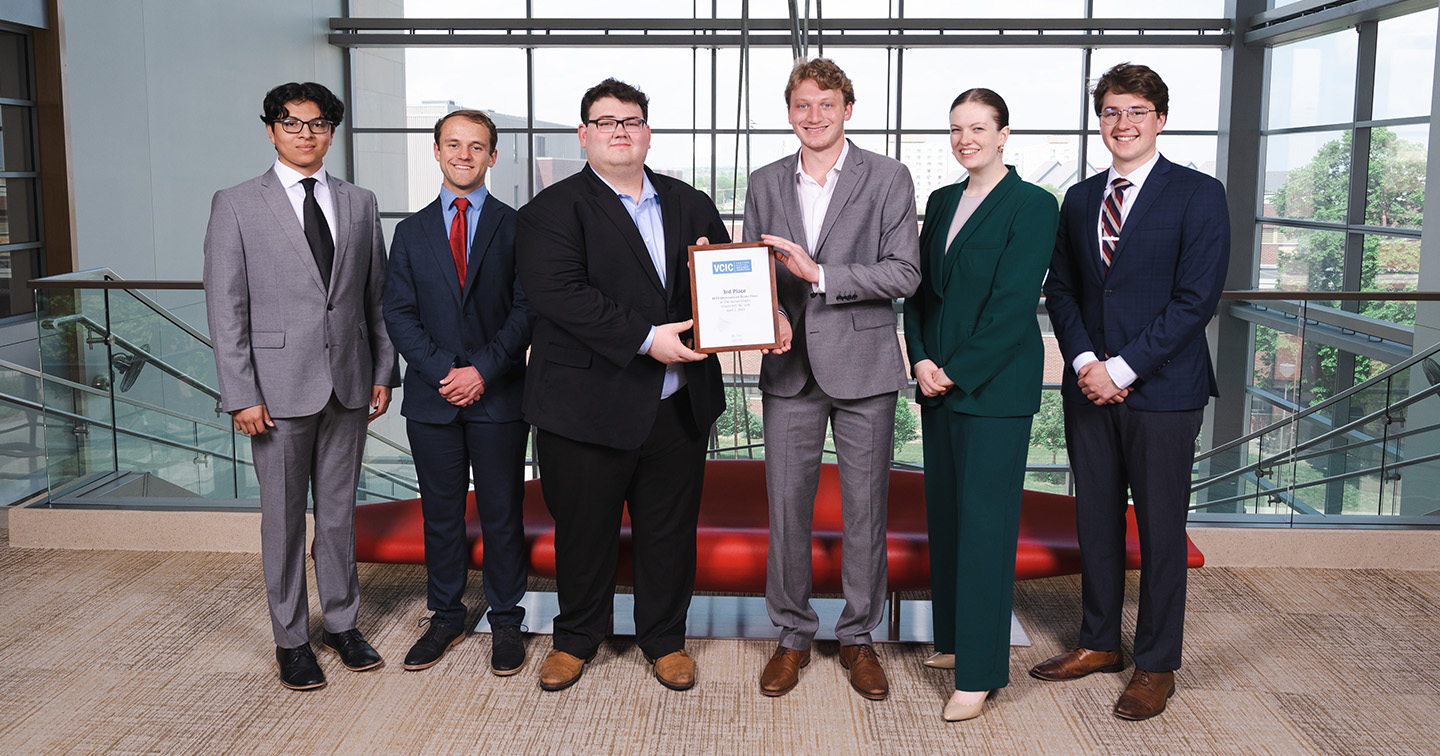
[{"x": 317, "y": 232}]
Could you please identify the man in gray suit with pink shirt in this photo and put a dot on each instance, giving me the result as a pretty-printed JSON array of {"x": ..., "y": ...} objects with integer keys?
[
  {"x": 294, "y": 273},
  {"x": 842, "y": 223}
]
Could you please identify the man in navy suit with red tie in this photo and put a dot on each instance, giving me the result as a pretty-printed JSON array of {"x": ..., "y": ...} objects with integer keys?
[
  {"x": 1137, "y": 272},
  {"x": 456, "y": 313}
]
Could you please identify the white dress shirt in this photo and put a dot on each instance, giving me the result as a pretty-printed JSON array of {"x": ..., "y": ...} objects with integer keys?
[
  {"x": 1116, "y": 365},
  {"x": 290, "y": 179},
  {"x": 815, "y": 201}
]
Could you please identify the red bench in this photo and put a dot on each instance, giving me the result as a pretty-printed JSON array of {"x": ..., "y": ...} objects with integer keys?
[{"x": 734, "y": 533}]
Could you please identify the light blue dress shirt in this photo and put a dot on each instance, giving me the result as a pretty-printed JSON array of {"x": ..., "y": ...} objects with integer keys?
[
  {"x": 650, "y": 224},
  {"x": 472, "y": 214}
]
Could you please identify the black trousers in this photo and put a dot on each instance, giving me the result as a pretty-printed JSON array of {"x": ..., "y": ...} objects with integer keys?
[
  {"x": 445, "y": 455},
  {"x": 587, "y": 488},
  {"x": 1115, "y": 449}
]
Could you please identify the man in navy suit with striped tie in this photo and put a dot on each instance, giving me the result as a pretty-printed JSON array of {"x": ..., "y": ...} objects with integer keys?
[
  {"x": 1137, "y": 272},
  {"x": 458, "y": 316}
]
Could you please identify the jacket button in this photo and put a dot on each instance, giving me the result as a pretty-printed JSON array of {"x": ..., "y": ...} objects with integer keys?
[
  {"x": 1107, "y": 292},
  {"x": 329, "y": 307},
  {"x": 469, "y": 348}
]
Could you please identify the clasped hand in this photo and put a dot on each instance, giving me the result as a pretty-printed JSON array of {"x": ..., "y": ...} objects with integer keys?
[
  {"x": 932, "y": 379},
  {"x": 1097, "y": 385}
]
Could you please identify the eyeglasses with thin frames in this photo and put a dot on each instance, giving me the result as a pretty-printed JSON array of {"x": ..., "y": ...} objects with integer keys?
[
  {"x": 607, "y": 125},
  {"x": 293, "y": 125},
  {"x": 1136, "y": 115}
]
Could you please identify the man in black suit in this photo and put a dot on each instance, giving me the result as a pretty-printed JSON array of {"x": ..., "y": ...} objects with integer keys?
[
  {"x": 622, "y": 404},
  {"x": 1137, "y": 272},
  {"x": 456, "y": 312}
]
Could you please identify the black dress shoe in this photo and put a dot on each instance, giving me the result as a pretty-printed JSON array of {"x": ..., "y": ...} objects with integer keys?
[
  {"x": 507, "y": 651},
  {"x": 432, "y": 645},
  {"x": 355, "y": 653},
  {"x": 298, "y": 668}
]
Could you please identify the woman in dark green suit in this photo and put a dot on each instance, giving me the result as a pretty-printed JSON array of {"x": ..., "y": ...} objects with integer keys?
[{"x": 974, "y": 344}]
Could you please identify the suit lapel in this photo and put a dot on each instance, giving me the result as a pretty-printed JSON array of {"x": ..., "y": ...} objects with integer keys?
[
  {"x": 1094, "y": 195},
  {"x": 934, "y": 241},
  {"x": 994, "y": 199},
  {"x": 675, "y": 264},
  {"x": 485, "y": 228},
  {"x": 610, "y": 204},
  {"x": 285, "y": 220},
  {"x": 851, "y": 174},
  {"x": 1153, "y": 186},
  {"x": 438, "y": 240},
  {"x": 340, "y": 197},
  {"x": 790, "y": 202}
]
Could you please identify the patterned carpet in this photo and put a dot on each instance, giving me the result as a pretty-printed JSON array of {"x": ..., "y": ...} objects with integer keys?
[{"x": 111, "y": 652}]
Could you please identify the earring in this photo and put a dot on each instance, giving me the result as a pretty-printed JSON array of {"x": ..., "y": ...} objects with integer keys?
[{"x": 1000, "y": 149}]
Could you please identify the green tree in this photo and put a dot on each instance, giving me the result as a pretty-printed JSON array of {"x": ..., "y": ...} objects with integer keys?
[
  {"x": 1319, "y": 190},
  {"x": 1048, "y": 429},
  {"x": 906, "y": 424},
  {"x": 729, "y": 423}
]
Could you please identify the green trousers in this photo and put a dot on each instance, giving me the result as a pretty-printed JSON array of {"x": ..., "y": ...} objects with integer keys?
[{"x": 974, "y": 476}]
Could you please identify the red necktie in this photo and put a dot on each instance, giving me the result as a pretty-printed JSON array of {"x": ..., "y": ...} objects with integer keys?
[{"x": 458, "y": 232}]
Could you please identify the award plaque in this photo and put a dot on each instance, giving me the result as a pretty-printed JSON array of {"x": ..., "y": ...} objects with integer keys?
[{"x": 732, "y": 294}]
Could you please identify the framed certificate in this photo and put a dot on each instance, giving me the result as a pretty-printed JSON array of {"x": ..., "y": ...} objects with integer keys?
[{"x": 732, "y": 294}]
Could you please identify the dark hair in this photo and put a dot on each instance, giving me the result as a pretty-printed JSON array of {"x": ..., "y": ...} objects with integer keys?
[
  {"x": 1133, "y": 79},
  {"x": 824, "y": 73},
  {"x": 473, "y": 116},
  {"x": 621, "y": 91},
  {"x": 331, "y": 108},
  {"x": 989, "y": 98}
]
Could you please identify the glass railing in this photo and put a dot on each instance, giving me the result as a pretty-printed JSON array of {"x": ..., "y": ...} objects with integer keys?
[
  {"x": 1342, "y": 421},
  {"x": 1339, "y": 423},
  {"x": 127, "y": 386}
]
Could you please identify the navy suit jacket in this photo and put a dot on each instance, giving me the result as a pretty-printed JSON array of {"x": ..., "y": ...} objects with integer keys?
[
  {"x": 436, "y": 325},
  {"x": 1160, "y": 292}
]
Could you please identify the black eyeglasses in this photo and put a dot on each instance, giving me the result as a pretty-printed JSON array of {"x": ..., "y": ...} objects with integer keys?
[
  {"x": 607, "y": 125},
  {"x": 293, "y": 125},
  {"x": 1136, "y": 115}
]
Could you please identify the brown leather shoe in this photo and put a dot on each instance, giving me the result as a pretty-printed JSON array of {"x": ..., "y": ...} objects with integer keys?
[
  {"x": 675, "y": 670},
  {"x": 1075, "y": 664},
  {"x": 867, "y": 677},
  {"x": 782, "y": 672},
  {"x": 560, "y": 670},
  {"x": 1146, "y": 695}
]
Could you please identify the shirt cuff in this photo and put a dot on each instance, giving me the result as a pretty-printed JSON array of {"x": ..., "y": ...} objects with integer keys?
[
  {"x": 649, "y": 337},
  {"x": 1120, "y": 371},
  {"x": 1085, "y": 358},
  {"x": 819, "y": 288}
]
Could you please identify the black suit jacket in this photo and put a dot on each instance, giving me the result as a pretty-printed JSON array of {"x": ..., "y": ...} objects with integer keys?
[
  {"x": 589, "y": 276},
  {"x": 436, "y": 325}
]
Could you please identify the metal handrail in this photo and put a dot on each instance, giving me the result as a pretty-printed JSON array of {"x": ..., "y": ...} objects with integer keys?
[
  {"x": 84, "y": 388},
  {"x": 110, "y": 336},
  {"x": 1344, "y": 395}
]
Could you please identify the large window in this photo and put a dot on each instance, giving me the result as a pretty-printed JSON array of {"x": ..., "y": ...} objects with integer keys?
[
  {"x": 716, "y": 86},
  {"x": 1345, "y": 144},
  {"x": 20, "y": 229}
]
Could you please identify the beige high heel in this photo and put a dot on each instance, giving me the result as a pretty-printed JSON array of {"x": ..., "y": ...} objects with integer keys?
[
  {"x": 957, "y": 712},
  {"x": 940, "y": 661}
]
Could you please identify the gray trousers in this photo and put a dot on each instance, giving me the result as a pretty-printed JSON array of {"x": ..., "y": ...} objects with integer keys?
[
  {"x": 864, "y": 431},
  {"x": 318, "y": 453}
]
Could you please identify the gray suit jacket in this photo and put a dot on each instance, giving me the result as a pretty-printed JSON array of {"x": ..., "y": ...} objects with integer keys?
[
  {"x": 280, "y": 338},
  {"x": 870, "y": 249}
]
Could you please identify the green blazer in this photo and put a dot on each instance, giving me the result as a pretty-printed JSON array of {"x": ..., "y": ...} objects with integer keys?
[{"x": 974, "y": 313}]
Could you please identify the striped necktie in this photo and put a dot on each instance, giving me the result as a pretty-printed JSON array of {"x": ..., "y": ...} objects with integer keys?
[{"x": 1110, "y": 219}]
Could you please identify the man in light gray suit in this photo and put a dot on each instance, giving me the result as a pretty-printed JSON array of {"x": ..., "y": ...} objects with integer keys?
[
  {"x": 294, "y": 273},
  {"x": 842, "y": 223}
]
